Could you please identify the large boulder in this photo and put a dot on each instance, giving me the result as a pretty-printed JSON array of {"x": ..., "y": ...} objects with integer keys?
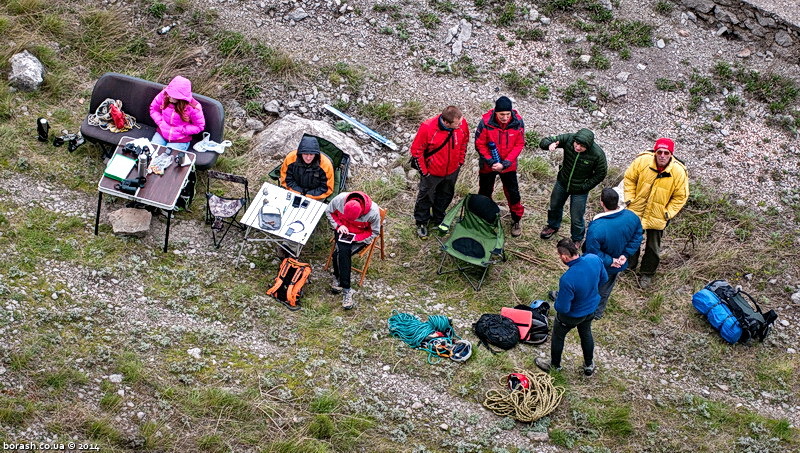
[
  {"x": 130, "y": 222},
  {"x": 282, "y": 137},
  {"x": 27, "y": 72}
]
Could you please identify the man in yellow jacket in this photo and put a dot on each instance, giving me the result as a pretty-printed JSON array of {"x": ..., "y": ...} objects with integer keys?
[{"x": 656, "y": 188}]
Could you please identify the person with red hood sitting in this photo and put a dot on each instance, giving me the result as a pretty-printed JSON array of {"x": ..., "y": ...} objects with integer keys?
[
  {"x": 177, "y": 115},
  {"x": 499, "y": 139},
  {"x": 356, "y": 221}
]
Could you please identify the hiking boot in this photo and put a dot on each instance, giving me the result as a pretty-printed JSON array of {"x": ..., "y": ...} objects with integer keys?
[
  {"x": 545, "y": 365},
  {"x": 347, "y": 299},
  {"x": 336, "y": 288},
  {"x": 588, "y": 370},
  {"x": 552, "y": 295},
  {"x": 577, "y": 245},
  {"x": 645, "y": 281},
  {"x": 516, "y": 229},
  {"x": 548, "y": 232},
  {"x": 422, "y": 231}
]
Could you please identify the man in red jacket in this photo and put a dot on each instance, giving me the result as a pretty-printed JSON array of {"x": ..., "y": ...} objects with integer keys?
[
  {"x": 499, "y": 138},
  {"x": 438, "y": 149}
]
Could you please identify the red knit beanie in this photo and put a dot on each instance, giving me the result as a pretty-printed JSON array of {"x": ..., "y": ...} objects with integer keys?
[
  {"x": 352, "y": 210},
  {"x": 665, "y": 143}
]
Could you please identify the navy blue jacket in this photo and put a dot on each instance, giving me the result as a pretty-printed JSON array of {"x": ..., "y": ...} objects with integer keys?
[
  {"x": 577, "y": 289},
  {"x": 613, "y": 234}
]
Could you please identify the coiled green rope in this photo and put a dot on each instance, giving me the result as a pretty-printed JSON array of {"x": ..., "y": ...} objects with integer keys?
[{"x": 414, "y": 332}]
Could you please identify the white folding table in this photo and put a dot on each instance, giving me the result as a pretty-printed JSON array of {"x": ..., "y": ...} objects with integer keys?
[{"x": 297, "y": 223}]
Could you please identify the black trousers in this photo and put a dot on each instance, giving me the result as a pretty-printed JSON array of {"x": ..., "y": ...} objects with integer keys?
[
  {"x": 652, "y": 253},
  {"x": 510, "y": 189},
  {"x": 561, "y": 326},
  {"x": 343, "y": 259},
  {"x": 434, "y": 193}
]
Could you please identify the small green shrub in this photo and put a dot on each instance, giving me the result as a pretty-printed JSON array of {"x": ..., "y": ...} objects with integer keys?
[
  {"x": 530, "y": 34},
  {"x": 277, "y": 61},
  {"x": 429, "y": 20},
  {"x": 663, "y": 7},
  {"x": 322, "y": 427},
  {"x": 232, "y": 44},
  {"x": 344, "y": 74},
  {"x": 157, "y": 10},
  {"x": 445, "y": 6},
  {"x": 665, "y": 84},
  {"x": 579, "y": 93},
  {"x": 516, "y": 82},
  {"x": 542, "y": 92},
  {"x": 620, "y": 35},
  {"x": 506, "y": 13}
]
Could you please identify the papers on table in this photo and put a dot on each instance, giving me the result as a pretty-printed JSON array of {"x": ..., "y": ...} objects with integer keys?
[{"x": 119, "y": 167}]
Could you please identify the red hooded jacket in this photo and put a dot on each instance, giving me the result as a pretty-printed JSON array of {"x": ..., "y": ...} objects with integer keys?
[
  {"x": 430, "y": 136},
  {"x": 366, "y": 226},
  {"x": 509, "y": 141}
]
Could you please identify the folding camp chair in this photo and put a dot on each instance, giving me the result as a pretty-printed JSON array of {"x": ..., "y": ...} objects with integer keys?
[
  {"x": 339, "y": 159},
  {"x": 221, "y": 212},
  {"x": 365, "y": 253},
  {"x": 475, "y": 238}
]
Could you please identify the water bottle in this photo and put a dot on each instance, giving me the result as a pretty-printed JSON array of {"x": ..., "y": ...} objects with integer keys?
[
  {"x": 142, "y": 166},
  {"x": 43, "y": 129},
  {"x": 493, "y": 151}
]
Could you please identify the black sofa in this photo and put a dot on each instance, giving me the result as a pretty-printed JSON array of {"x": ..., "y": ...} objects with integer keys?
[{"x": 136, "y": 95}]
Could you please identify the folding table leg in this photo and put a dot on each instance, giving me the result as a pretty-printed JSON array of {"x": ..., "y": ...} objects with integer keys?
[
  {"x": 166, "y": 235},
  {"x": 241, "y": 246},
  {"x": 97, "y": 214}
]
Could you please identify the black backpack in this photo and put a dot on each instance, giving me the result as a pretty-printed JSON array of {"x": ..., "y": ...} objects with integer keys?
[
  {"x": 754, "y": 322},
  {"x": 496, "y": 330},
  {"x": 540, "y": 325},
  {"x": 187, "y": 193}
]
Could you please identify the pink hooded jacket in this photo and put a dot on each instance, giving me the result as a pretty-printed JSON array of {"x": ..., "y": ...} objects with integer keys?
[{"x": 168, "y": 122}]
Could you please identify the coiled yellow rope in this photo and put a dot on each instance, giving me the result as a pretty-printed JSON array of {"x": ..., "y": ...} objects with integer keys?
[{"x": 525, "y": 405}]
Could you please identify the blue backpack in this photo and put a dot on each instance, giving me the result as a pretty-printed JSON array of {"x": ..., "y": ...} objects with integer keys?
[{"x": 731, "y": 314}]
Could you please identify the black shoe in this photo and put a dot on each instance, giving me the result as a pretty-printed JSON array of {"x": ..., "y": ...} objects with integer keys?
[
  {"x": 552, "y": 295},
  {"x": 588, "y": 370},
  {"x": 548, "y": 232},
  {"x": 422, "y": 231}
]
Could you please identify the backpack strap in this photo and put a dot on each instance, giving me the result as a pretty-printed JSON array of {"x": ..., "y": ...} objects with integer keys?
[
  {"x": 282, "y": 271},
  {"x": 483, "y": 340},
  {"x": 301, "y": 273}
]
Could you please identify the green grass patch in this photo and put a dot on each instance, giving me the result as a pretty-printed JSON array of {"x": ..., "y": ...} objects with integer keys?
[
  {"x": 535, "y": 167},
  {"x": 506, "y": 13},
  {"x": 665, "y": 84},
  {"x": 429, "y": 20},
  {"x": 580, "y": 94},
  {"x": 620, "y": 35},
  {"x": 517, "y": 82},
  {"x": 15, "y": 411},
  {"x": 663, "y": 7},
  {"x": 344, "y": 74}
]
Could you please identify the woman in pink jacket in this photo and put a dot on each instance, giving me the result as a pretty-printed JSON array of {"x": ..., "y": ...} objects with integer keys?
[{"x": 177, "y": 115}]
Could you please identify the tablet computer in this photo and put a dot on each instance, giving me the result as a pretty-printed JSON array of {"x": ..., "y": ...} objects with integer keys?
[{"x": 347, "y": 238}]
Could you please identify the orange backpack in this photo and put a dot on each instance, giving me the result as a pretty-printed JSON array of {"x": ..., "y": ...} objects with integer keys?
[{"x": 288, "y": 286}]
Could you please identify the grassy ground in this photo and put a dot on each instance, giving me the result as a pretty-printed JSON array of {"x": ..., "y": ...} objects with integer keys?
[{"x": 75, "y": 312}]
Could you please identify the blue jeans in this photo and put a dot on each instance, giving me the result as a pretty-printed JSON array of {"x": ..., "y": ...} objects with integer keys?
[
  {"x": 159, "y": 140},
  {"x": 605, "y": 291},
  {"x": 561, "y": 326},
  {"x": 577, "y": 208}
]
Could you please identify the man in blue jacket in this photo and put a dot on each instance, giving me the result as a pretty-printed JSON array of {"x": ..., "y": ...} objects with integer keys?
[
  {"x": 575, "y": 304},
  {"x": 614, "y": 235}
]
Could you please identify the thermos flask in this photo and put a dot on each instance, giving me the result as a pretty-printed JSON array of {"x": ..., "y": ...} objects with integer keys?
[{"x": 142, "y": 166}]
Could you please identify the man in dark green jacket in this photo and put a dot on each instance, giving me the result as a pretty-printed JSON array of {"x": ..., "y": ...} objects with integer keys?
[{"x": 583, "y": 168}]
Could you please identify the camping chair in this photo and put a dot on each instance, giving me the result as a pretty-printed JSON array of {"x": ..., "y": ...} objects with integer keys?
[
  {"x": 475, "y": 240},
  {"x": 339, "y": 159},
  {"x": 221, "y": 212},
  {"x": 365, "y": 253}
]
